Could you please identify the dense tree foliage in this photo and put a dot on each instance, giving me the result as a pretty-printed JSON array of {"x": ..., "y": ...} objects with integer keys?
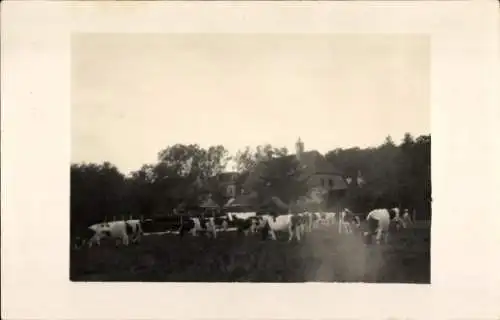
[
  {"x": 281, "y": 178},
  {"x": 187, "y": 174},
  {"x": 393, "y": 175}
]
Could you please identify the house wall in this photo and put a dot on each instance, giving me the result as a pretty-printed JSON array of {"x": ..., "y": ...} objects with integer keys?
[{"x": 326, "y": 181}]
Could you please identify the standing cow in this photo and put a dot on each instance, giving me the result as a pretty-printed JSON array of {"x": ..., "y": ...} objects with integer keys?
[
  {"x": 195, "y": 224},
  {"x": 270, "y": 224},
  {"x": 245, "y": 222},
  {"x": 122, "y": 231}
]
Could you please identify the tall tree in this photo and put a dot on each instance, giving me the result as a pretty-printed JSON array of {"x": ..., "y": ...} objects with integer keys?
[
  {"x": 281, "y": 177},
  {"x": 192, "y": 168},
  {"x": 98, "y": 191},
  {"x": 395, "y": 175},
  {"x": 192, "y": 160},
  {"x": 247, "y": 158}
]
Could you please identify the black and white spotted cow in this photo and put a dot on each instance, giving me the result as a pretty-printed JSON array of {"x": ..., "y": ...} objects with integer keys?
[
  {"x": 379, "y": 222},
  {"x": 123, "y": 231},
  {"x": 195, "y": 225},
  {"x": 245, "y": 222}
]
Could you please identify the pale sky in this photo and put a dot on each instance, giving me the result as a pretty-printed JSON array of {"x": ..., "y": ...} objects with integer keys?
[{"x": 133, "y": 95}]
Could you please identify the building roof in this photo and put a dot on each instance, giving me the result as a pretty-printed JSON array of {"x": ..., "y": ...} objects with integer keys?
[
  {"x": 227, "y": 176},
  {"x": 338, "y": 183},
  {"x": 209, "y": 203},
  {"x": 312, "y": 162},
  {"x": 242, "y": 200}
]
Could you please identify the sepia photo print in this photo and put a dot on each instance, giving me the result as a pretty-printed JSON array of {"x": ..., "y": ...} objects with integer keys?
[{"x": 250, "y": 158}]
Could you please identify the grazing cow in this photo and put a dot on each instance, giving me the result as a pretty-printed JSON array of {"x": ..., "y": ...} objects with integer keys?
[
  {"x": 122, "y": 230},
  {"x": 193, "y": 225},
  {"x": 396, "y": 220},
  {"x": 245, "y": 222},
  {"x": 271, "y": 224},
  {"x": 406, "y": 220},
  {"x": 378, "y": 223}
]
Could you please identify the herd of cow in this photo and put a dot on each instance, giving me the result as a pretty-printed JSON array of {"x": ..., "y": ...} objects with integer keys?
[{"x": 376, "y": 224}]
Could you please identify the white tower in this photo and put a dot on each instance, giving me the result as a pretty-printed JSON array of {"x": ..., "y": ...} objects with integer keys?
[{"x": 299, "y": 148}]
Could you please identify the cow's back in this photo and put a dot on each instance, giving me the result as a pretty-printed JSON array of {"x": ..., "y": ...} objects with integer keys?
[
  {"x": 281, "y": 222},
  {"x": 378, "y": 214}
]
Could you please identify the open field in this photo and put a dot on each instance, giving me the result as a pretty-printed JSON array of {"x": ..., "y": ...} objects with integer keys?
[{"x": 323, "y": 255}]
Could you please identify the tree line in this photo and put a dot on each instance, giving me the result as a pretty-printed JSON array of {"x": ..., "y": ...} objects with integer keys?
[{"x": 388, "y": 175}]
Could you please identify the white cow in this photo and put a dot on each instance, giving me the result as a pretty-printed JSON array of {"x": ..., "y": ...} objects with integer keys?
[
  {"x": 287, "y": 222},
  {"x": 379, "y": 221},
  {"x": 121, "y": 230}
]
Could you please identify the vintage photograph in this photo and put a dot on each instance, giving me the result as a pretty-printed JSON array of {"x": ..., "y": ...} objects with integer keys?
[{"x": 250, "y": 158}]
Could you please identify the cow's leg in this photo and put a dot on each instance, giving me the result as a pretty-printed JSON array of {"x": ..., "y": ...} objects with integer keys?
[
  {"x": 290, "y": 232},
  {"x": 90, "y": 242},
  {"x": 246, "y": 232},
  {"x": 124, "y": 239},
  {"x": 379, "y": 235},
  {"x": 272, "y": 233},
  {"x": 193, "y": 231},
  {"x": 224, "y": 225},
  {"x": 138, "y": 237},
  {"x": 95, "y": 239},
  {"x": 214, "y": 231},
  {"x": 297, "y": 233}
]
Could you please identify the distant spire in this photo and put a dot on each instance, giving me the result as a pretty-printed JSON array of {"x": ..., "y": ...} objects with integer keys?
[{"x": 299, "y": 148}]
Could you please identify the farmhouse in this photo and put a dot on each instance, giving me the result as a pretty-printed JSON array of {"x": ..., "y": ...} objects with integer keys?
[{"x": 320, "y": 174}]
